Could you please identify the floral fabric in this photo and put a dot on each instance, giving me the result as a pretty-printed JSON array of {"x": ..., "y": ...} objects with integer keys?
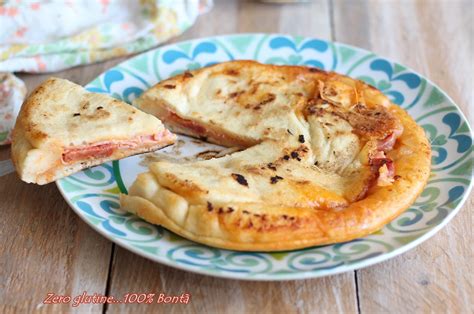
[
  {"x": 47, "y": 36},
  {"x": 12, "y": 93}
]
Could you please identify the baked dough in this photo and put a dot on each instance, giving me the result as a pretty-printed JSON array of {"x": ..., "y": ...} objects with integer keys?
[
  {"x": 62, "y": 129},
  {"x": 325, "y": 158}
]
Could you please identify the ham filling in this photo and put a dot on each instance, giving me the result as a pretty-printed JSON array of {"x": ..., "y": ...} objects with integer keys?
[
  {"x": 383, "y": 165},
  {"x": 106, "y": 149},
  {"x": 188, "y": 124}
]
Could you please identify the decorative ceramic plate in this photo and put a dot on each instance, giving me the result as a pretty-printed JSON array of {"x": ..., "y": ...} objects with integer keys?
[{"x": 93, "y": 193}]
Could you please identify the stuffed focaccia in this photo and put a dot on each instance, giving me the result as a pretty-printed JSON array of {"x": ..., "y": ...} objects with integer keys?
[
  {"x": 326, "y": 158},
  {"x": 62, "y": 129}
]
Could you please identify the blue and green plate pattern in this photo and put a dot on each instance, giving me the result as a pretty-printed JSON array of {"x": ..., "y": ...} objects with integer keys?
[{"x": 93, "y": 193}]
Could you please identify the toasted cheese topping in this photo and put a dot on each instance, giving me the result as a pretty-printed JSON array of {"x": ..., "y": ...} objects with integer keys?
[
  {"x": 319, "y": 132},
  {"x": 314, "y": 167}
]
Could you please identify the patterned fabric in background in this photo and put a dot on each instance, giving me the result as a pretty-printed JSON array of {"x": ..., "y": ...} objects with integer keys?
[
  {"x": 47, "y": 36},
  {"x": 12, "y": 93}
]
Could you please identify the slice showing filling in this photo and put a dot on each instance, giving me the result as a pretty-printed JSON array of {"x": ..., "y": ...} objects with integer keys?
[{"x": 62, "y": 128}]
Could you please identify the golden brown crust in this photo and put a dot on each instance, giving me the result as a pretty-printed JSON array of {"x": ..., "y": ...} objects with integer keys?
[
  {"x": 262, "y": 212},
  {"x": 241, "y": 230}
]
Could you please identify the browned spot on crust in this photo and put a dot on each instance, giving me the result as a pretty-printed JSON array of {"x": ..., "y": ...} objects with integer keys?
[
  {"x": 275, "y": 179},
  {"x": 39, "y": 135},
  {"x": 187, "y": 74},
  {"x": 208, "y": 154},
  {"x": 315, "y": 70},
  {"x": 235, "y": 94},
  {"x": 84, "y": 104},
  {"x": 271, "y": 166},
  {"x": 98, "y": 115},
  {"x": 263, "y": 223},
  {"x": 254, "y": 170},
  {"x": 330, "y": 91},
  {"x": 169, "y": 86},
  {"x": 301, "y": 138},
  {"x": 268, "y": 99},
  {"x": 302, "y": 182},
  {"x": 371, "y": 87},
  {"x": 186, "y": 186},
  {"x": 232, "y": 72},
  {"x": 240, "y": 179}
]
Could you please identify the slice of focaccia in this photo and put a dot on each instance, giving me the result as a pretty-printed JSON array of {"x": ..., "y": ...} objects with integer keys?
[
  {"x": 62, "y": 129},
  {"x": 326, "y": 158}
]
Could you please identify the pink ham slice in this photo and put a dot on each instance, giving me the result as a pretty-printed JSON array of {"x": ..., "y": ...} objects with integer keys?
[
  {"x": 88, "y": 152},
  {"x": 106, "y": 149},
  {"x": 186, "y": 123}
]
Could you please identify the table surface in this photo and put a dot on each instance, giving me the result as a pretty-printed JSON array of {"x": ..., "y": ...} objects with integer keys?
[{"x": 45, "y": 247}]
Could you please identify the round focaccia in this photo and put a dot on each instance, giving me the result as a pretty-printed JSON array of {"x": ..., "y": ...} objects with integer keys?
[{"x": 325, "y": 158}]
